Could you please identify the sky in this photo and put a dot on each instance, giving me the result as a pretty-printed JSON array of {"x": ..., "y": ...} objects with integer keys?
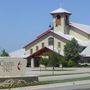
[{"x": 21, "y": 21}]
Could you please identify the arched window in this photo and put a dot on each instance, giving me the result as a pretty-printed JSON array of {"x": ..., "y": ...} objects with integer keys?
[
  {"x": 58, "y": 20},
  {"x": 50, "y": 41},
  {"x": 58, "y": 16}
]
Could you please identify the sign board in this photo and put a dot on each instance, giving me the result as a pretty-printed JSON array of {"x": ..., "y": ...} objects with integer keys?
[{"x": 12, "y": 66}]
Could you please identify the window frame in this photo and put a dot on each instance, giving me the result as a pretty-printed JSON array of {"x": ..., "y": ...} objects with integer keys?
[
  {"x": 37, "y": 48},
  {"x": 31, "y": 51},
  {"x": 50, "y": 41},
  {"x": 43, "y": 44}
]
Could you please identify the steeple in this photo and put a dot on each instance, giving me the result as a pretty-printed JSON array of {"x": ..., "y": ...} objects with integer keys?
[{"x": 61, "y": 20}]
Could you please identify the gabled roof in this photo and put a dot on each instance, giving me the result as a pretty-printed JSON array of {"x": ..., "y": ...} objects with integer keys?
[
  {"x": 60, "y": 34},
  {"x": 56, "y": 50},
  {"x": 86, "y": 51},
  {"x": 43, "y": 50},
  {"x": 39, "y": 52},
  {"x": 82, "y": 27},
  {"x": 60, "y": 10},
  {"x": 18, "y": 53},
  {"x": 68, "y": 37},
  {"x": 41, "y": 35}
]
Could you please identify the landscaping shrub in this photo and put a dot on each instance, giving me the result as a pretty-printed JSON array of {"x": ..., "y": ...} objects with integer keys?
[{"x": 71, "y": 63}]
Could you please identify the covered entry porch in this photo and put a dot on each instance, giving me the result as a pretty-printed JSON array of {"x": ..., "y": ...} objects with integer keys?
[{"x": 34, "y": 59}]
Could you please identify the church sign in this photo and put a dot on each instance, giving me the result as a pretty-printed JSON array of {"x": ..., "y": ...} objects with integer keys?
[{"x": 12, "y": 66}]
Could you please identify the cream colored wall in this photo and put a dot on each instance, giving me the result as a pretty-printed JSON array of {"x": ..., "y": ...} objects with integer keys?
[
  {"x": 78, "y": 34},
  {"x": 45, "y": 40},
  {"x": 72, "y": 31},
  {"x": 38, "y": 43},
  {"x": 56, "y": 40},
  {"x": 89, "y": 36},
  {"x": 61, "y": 27}
]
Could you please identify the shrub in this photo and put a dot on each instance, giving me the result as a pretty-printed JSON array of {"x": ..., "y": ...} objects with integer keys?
[
  {"x": 71, "y": 63},
  {"x": 64, "y": 63},
  {"x": 85, "y": 65}
]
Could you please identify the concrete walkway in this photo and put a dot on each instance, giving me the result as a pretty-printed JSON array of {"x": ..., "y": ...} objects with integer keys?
[
  {"x": 30, "y": 71},
  {"x": 60, "y": 84},
  {"x": 63, "y": 77}
]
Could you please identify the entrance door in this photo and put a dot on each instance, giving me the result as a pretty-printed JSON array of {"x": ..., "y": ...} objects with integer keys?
[{"x": 37, "y": 62}]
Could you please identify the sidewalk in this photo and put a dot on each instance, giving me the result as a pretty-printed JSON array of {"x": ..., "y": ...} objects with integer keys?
[
  {"x": 29, "y": 71},
  {"x": 59, "y": 85},
  {"x": 63, "y": 77}
]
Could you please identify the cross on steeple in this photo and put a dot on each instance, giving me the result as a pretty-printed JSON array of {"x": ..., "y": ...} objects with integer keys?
[{"x": 61, "y": 3}]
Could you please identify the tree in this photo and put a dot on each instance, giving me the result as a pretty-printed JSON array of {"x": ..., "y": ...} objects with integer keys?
[
  {"x": 4, "y": 53},
  {"x": 71, "y": 50},
  {"x": 44, "y": 61},
  {"x": 54, "y": 60},
  {"x": 63, "y": 62}
]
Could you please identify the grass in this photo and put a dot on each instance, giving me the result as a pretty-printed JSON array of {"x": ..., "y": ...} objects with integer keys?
[
  {"x": 62, "y": 74},
  {"x": 46, "y": 82}
]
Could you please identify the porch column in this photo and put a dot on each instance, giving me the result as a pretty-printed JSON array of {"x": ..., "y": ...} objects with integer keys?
[{"x": 32, "y": 63}]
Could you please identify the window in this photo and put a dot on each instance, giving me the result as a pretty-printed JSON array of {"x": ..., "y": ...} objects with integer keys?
[
  {"x": 50, "y": 41},
  {"x": 42, "y": 45},
  {"x": 58, "y": 20},
  {"x": 37, "y": 48},
  {"x": 31, "y": 51},
  {"x": 59, "y": 44},
  {"x": 59, "y": 47}
]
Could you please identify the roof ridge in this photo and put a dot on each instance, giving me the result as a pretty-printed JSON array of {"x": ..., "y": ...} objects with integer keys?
[
  {"x": 82, "y": 27},
  {"x": 80, "y": 24},
  {"x": 60, "y": 10}
]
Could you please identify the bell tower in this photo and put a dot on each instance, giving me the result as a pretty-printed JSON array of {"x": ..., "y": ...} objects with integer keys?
[{"x": 60, "y": 20}]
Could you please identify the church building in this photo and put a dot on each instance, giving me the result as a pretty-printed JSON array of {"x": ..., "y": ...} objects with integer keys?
[{"x": 54, "y": 39}]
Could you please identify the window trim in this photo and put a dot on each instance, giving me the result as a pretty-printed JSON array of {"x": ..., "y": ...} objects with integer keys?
[
  {"x": 50, "y": 41},
  {"x": 31, "y": 51},
  {"x": 37, "y": 48},
  {"x": 43, "y": 44}
]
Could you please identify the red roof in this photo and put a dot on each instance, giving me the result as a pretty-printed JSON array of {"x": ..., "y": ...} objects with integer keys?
[
  {"x": 43, "y": 34},
  {"x": 39, "y": 52}
]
